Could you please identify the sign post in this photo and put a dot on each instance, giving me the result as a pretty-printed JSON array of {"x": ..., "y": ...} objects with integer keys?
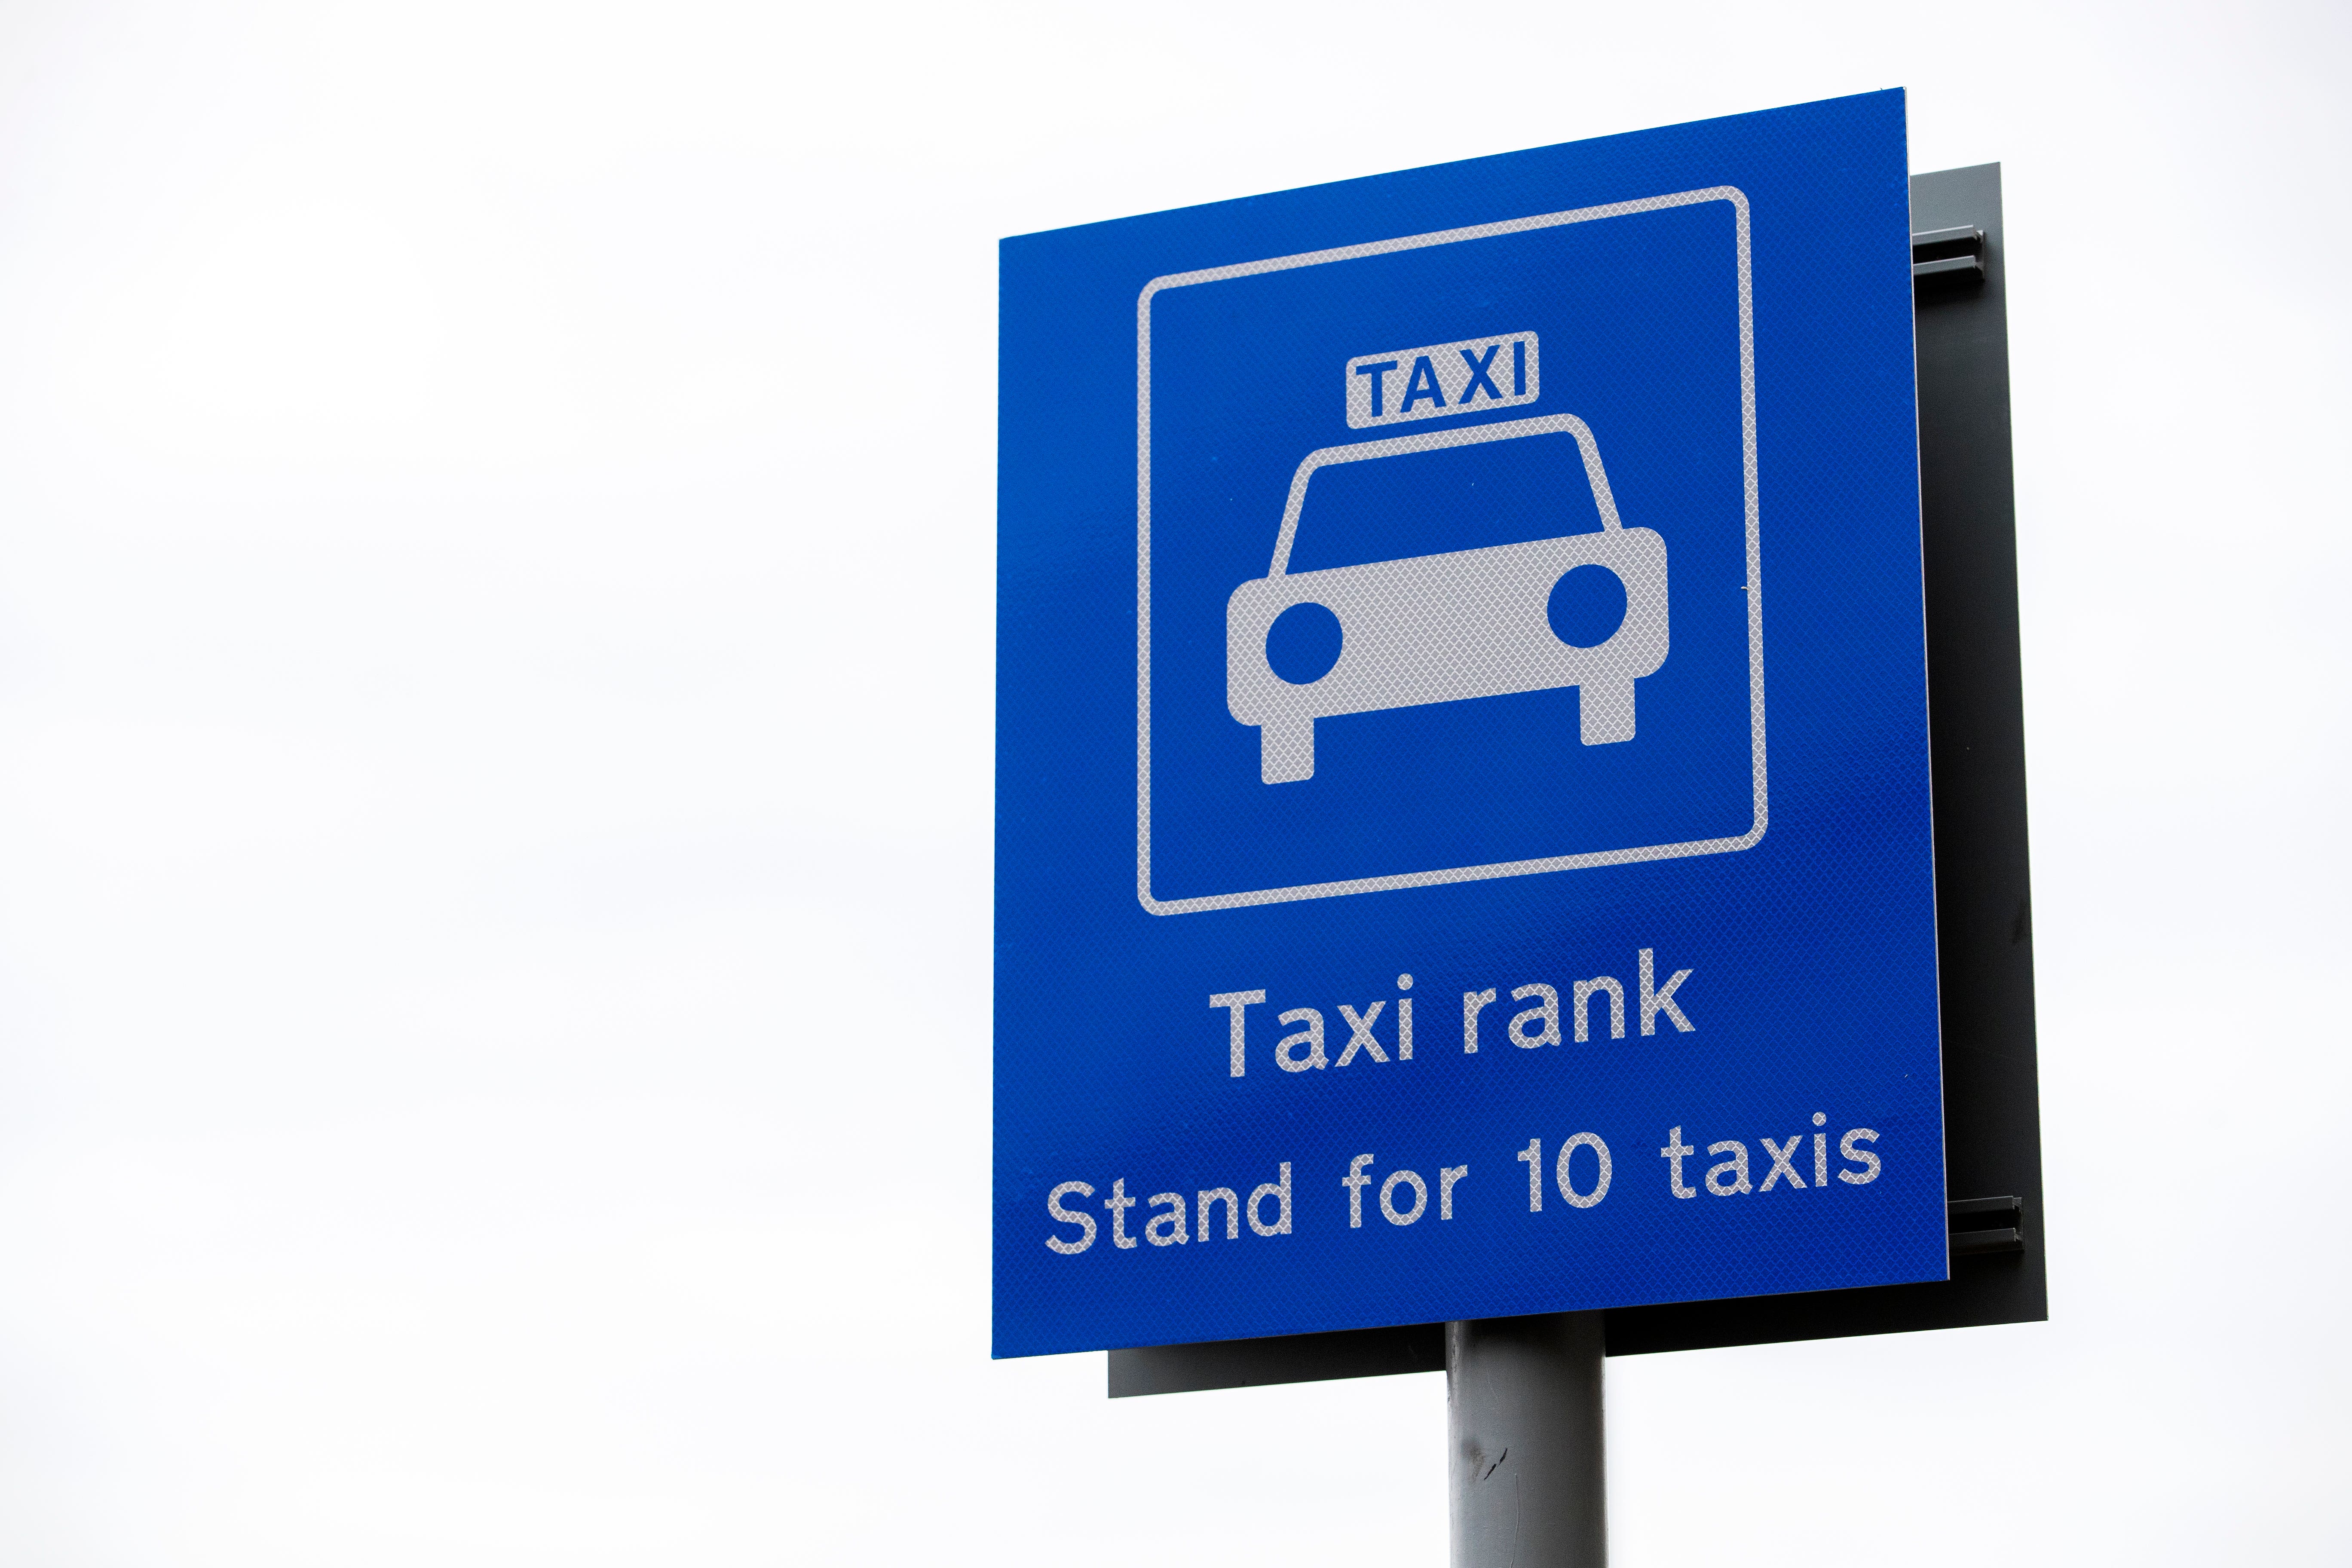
[
  {"x": 1467, "y": 886},
  {"x": 1525, "y": 1485}
]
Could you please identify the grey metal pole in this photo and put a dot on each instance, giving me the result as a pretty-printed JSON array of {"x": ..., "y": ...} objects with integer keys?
[{"x": 1527, "y": 1488}]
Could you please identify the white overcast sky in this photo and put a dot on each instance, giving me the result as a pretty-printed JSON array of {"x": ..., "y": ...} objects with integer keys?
[{"x": 495, "y": 511}]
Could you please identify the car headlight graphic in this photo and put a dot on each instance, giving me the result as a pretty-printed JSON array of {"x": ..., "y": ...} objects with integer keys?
[{"x": 1448, "y": 628}]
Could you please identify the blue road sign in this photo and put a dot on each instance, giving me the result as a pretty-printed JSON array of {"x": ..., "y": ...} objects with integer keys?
[{"x": 1463, "y": 824}]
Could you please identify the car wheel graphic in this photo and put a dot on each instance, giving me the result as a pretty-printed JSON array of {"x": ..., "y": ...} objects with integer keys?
[
  {"x": 1587, "y": 606},
  {"x": 1304, "y": 643}
]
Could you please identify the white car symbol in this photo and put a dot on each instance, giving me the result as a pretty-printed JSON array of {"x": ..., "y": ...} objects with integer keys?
[{"x": 1444, "y": 628}]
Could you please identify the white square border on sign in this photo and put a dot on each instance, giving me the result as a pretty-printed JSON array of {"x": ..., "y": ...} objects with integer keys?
[{"x": 1739, "y": 200}]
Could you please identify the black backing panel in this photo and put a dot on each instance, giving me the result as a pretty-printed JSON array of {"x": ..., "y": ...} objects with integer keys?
[{"x": 1992, "y": 1125}]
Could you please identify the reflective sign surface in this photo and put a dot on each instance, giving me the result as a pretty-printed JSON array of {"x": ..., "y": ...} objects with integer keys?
[{"x": 1463, "y": 822}]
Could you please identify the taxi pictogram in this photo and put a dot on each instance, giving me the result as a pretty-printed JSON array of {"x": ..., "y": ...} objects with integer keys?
[{"x": 1446, "y": 628}]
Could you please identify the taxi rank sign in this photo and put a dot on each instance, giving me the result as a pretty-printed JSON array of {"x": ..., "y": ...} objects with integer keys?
[{"x": 1463, "y": 822}]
